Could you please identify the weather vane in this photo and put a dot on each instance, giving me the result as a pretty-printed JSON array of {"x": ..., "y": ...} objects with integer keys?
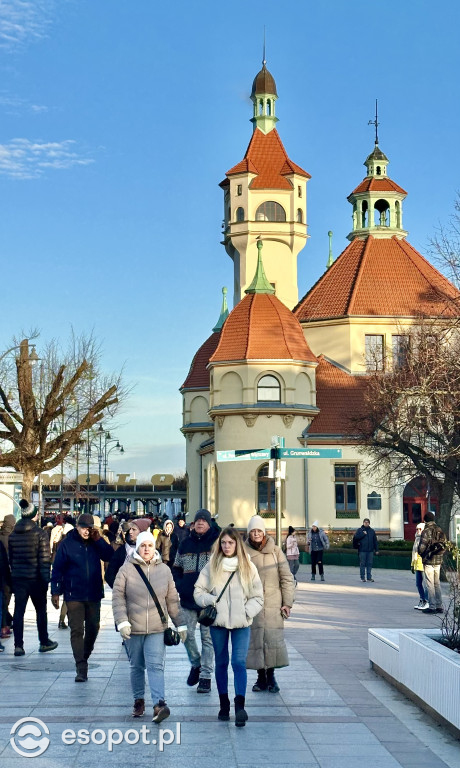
[{"x": 375, "y": 122}]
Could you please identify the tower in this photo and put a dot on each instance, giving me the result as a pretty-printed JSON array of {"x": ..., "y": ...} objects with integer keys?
[
  {"x": 265, "y": 195},
  {"x": 377, "y": 201}
]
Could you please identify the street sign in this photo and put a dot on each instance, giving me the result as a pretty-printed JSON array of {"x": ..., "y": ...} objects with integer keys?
[
  {"x": 310, "y": 453},
  {"x": 244, "y": 455}
]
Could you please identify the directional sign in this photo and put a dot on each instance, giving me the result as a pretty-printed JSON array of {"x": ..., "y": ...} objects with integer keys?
[
  {"x": 244, "y": 455},
  {"x": 310, "y": 453}
]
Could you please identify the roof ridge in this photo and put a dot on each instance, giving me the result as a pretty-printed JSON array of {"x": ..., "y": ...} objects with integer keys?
[{"x": 358, "y": 274}]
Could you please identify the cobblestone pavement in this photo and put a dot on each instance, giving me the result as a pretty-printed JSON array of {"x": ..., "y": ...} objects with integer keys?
[{"x": 332, "y": 711}]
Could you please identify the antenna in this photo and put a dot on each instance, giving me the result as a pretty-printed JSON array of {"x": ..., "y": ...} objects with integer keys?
[
  {"x": 264, "y": 61},
  {"x": 375, "y": 122}
]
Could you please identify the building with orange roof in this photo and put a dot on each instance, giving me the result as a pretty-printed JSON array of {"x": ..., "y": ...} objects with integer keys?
[{"x": 297, "y": 369}]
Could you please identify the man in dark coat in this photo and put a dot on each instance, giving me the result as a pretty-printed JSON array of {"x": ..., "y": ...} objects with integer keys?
[
  {"x": 431, "y": 548},
  {"x": 30, "y": 561},
  {"x": 368, "y": 545},
  {"x": 192, "y": 555},
  {"x": 77, "y": 574},
  {"x": 9, "y": 521}
]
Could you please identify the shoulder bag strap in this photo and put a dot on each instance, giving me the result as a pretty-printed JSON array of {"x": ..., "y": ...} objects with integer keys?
[
  {"x": 226, "y": 585},
  {"x": 151, "y": 590}
]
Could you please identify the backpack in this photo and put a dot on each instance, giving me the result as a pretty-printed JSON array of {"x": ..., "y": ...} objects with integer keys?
[{"x": 355, "y": 542}]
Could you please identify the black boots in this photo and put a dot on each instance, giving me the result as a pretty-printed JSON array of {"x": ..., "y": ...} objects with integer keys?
[
  {"x": 261, "y": 682},
  {"x": 224, "y": 711},
  {"x": 272, "y": 685},
  {"x": 240, "y": 713}
]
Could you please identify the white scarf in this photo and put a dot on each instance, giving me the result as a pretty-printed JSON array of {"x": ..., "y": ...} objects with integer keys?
[{"x": 230, "y": 564}]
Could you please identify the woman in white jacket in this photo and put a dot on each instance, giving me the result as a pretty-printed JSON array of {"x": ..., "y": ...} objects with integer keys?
[{"x": 240, "y": 602}]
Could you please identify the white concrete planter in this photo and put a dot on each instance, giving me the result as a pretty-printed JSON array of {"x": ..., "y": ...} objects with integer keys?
[{"x": 423, "y": 668}]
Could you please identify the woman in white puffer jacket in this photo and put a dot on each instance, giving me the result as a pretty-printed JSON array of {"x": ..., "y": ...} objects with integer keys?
[{"x": 241, "y": 600}]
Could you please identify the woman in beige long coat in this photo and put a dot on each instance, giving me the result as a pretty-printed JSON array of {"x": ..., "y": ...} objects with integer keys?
[{"x": 267, "y": 648}]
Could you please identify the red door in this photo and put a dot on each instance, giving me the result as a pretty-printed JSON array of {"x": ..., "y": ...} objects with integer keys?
[{"x": 415, "y": 505}]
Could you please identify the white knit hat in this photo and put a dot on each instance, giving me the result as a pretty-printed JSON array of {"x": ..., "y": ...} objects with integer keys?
[
  {"x": 315, "y": 524},
  {"x": 146, "y": 536},
  {"x": 258, "y": 522}
]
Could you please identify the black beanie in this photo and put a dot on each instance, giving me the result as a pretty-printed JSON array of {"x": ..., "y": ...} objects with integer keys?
[{"x": 28, "y": 511}]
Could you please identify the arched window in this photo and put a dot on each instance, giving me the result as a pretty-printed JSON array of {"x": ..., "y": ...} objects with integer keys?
[
  {"x": 364, "y": 213},
  {"x": 270, "y": 211},
  {"x": 382, "y": 213},
  {"x": 268, "y": 390},
  {"x": 398, "y": 214},
  {"x": 261, "y": 107},
  {"x": 265, "y": 491},
  {"x": 240, "y": 214},
  {"x": 268, "y": 110},
  {"x": 299, "y": 216},
  {"x": 379, "y": 170}
]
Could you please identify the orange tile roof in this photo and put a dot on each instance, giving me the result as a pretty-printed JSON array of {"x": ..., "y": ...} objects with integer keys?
[
  {"x": 338, "y": 396},
  {"x": 198, "y": 375},
  {"x": 261, "y": 327},
  {"x": 378, "y": 185},
  {"x": 266, "y": 157},
  {"x": 381, "y": 277}
]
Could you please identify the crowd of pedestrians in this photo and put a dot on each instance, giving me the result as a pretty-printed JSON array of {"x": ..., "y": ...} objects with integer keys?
[{"x": 237, "y": 590}]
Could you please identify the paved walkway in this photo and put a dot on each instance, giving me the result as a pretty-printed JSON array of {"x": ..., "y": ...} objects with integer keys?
[{"x": 333, "y": 711}]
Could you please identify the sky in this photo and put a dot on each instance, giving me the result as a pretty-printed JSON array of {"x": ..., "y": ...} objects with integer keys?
[{"x": 118, "y": 120}]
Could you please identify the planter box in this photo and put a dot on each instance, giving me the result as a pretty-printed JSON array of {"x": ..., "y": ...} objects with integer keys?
[{"x": 422, "y": 668}]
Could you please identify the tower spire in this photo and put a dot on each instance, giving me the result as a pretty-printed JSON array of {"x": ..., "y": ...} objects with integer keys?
[
  {"x": 376, "y": 123},
  {"x": 260, "y": 284},
  {"x": 330, "y": 260},
  {"x": 264, "y": 60},
  {"x": 223, "y": 312}
]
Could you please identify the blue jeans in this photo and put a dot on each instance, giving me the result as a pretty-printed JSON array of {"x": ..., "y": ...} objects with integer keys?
[
  {"x": 147, "y": 652},
  {"x": 240, "y": 646},
  {"x": 420, "y": 586},
  {"x": 365, "y": 564}
]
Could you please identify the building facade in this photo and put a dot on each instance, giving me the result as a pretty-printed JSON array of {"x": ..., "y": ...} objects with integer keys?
[{"x": 278, "y": 366}]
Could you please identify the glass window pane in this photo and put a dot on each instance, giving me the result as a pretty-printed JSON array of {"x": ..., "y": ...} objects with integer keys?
[
  {"x": 339, "y": 497},
  {"x": 416, "y": 513},
  {"x": 406, "y": 512},
  {"x": 351, "y": 497},
  {"x": 374, "y": 352}
]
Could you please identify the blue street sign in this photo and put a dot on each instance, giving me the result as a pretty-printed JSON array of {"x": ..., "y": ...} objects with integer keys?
[
  {"x": 310, "y": 453},
  {"x": 244, "y": 455}
]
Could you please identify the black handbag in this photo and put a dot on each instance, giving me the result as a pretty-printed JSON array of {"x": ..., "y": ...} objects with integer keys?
[
  {"x": 170, "y": 636},
  {"x": 208, "y": 615}
]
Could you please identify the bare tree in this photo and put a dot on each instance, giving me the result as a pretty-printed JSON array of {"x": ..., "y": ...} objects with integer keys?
[
  {"x": 45, "y": 408},
  {"x": 445, "y": 245},
  {"x": 410, "y": 421}
]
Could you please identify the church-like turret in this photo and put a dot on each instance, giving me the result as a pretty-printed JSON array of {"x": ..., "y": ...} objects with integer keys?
[{"x": 265, "y": 195}]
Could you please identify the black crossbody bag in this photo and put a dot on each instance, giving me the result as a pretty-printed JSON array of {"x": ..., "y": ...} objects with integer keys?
[
  {"x": 208, "y": 615},
  {"x": 170, "y": 636}
]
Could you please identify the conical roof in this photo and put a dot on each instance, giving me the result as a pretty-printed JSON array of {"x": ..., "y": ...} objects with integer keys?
[
  {"x": 261, "y": 327},
  {"x": 379, "y": 277},
  {"x": 198, "y": 375}
]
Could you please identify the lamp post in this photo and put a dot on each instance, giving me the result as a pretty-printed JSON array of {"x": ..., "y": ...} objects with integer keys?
[{"x": 100, "y": 441}]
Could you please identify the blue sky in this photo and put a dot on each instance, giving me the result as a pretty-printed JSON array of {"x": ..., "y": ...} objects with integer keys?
[{"x": 120, "y": 117}]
